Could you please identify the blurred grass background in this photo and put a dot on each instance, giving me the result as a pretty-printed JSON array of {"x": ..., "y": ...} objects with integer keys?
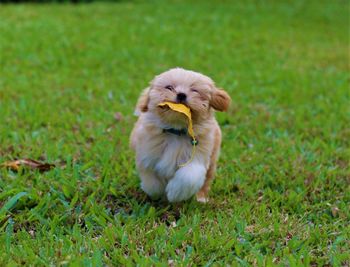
[{"x": 282, "y": 190}]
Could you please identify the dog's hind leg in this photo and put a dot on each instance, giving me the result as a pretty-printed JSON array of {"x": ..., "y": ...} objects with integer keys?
[{"x": 202, "y": 195}]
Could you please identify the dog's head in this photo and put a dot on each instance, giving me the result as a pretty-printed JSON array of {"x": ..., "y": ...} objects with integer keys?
[{"x": 190, "y": 88}]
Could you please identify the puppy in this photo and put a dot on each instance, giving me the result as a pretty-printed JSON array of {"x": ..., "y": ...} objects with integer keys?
[{"x": 160, "y": 137}]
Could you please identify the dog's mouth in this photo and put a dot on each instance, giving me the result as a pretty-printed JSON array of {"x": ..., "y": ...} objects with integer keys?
[{"x": 167, "y": 108}]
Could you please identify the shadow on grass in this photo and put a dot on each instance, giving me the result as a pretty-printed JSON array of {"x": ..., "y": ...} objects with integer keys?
[{"x": 136, "y": 203}]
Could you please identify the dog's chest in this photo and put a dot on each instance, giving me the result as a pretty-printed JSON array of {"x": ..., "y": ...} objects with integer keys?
[{"x": 166, "y": 152}]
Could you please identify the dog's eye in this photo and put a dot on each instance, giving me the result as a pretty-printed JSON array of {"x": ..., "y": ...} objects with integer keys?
[
  {"x": 194, "y": 90},
  {"x": 169, "y": 87}
]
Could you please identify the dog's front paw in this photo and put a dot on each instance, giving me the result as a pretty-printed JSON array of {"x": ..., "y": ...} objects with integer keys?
[{"x": 186, "y": 182}]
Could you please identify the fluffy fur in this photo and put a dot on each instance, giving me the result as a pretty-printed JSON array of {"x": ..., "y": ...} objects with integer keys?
[{"x": 159, "y": 154}]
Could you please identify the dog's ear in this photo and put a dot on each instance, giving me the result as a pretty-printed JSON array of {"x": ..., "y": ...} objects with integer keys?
[
  {"x": 220, "y": 100},
  {"x": 142, "y": 102}
]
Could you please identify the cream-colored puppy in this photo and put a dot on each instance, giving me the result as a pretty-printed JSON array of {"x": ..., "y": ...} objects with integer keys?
[{"x": 161, "y": 141}]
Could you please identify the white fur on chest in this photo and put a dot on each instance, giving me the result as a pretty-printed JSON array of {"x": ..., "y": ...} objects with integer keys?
[
  {"x": 165, "y": 152},
  {"x": 177, "y": 150}
]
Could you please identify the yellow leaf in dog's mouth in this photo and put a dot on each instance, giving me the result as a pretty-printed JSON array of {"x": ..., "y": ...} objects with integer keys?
[{"x": 184, "y": 110}]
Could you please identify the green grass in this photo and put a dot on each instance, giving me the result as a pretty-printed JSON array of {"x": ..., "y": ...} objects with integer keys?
[{"x": 281, "y": 196}]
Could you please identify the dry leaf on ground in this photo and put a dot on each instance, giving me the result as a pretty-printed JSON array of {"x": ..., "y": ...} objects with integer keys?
[{"x": 15, "y": 165}]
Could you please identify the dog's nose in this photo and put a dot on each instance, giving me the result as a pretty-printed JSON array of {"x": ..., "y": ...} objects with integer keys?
[{"x": 181, "y": 97}]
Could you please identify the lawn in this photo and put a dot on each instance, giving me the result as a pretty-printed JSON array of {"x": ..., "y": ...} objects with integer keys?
[{"x": 70, "y": 76}]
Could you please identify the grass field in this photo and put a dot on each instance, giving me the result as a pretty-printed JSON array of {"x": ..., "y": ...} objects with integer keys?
[{"x": 281, "y": 196}]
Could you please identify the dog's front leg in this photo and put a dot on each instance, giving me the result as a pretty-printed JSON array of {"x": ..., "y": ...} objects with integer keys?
[
  {"x": 186, "y": 182},
  {"x": 151, "y": 184}
]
